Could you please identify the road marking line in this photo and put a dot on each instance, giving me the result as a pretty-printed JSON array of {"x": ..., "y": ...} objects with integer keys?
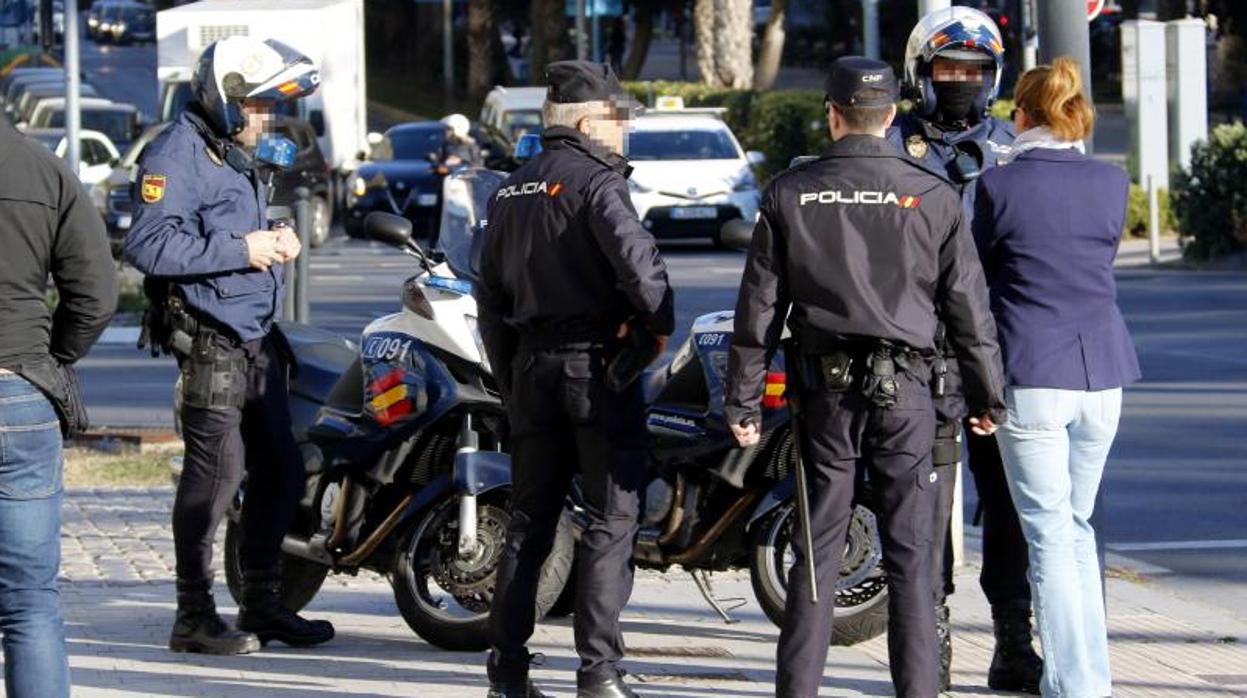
[
  {"x": 1179, "y": 545},
  {"x": 120, "y": 335}
]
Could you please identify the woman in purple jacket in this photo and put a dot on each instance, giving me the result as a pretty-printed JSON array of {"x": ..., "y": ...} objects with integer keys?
[{"x": 1047, "y": 227}]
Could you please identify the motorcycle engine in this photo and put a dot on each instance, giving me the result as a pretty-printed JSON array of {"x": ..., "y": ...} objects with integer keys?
[{"x": 658, "y": 500}]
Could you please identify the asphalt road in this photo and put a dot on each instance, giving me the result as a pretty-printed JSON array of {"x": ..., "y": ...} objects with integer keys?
[{"x": 123, "y": 74}]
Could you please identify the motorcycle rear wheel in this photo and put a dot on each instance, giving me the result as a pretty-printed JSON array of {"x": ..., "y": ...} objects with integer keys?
[
  {"x": 300, "y": 579},
  {"x": 446, "y": 600},
  {"x": 861, "y": 595}
]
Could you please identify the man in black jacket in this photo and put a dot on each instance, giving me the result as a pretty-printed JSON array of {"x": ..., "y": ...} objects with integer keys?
[
  {"x": 567, "y": 272},
  {"x": 47, "y": 226},
  {"x": 864, "y": 246}
]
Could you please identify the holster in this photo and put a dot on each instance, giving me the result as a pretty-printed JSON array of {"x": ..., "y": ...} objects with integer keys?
[
  {"x": 214, "y": 373},
  {"x": 59, "y": 383},
  {"x": 947, "y": 449},
  {"x": 167, "y": 327},
  {"x": 872, "y": 365}
]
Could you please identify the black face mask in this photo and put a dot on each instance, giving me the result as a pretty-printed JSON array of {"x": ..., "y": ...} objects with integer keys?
[{"x": 955, "y": 100}]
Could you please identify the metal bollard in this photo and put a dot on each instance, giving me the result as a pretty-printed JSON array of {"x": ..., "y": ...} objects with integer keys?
[{"x": 303, "y": 226}]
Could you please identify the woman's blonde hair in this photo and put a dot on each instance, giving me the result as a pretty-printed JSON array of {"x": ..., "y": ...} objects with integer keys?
[{"x": 1051, "y": 95}]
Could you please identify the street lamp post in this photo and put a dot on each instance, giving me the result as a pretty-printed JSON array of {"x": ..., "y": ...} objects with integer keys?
[
  {"x": 926, "y": 7},
  {"x": 1063, "y": 31},
  {"x": 448, "y": 49},
  {"x": 870, "y": 28},
  {"x": 582, "y": 44},
  {"x": 73, "y": 115}
]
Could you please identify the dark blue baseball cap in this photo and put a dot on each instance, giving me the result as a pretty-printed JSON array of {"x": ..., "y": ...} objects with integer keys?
[{"x": 857, "y": 81}]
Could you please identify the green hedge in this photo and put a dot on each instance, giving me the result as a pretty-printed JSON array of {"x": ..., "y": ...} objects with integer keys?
[
  {"x": 1211, "y": 198},
  {"x": 781, "y": 124},
  {"x": 1137, "y": 212}
]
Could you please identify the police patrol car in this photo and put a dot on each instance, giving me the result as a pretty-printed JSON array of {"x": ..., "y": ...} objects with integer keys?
[{"x": 690, "y": 174}]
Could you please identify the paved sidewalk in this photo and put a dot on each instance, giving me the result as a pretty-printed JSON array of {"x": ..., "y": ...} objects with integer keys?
[{"x": 118, "y": 594}]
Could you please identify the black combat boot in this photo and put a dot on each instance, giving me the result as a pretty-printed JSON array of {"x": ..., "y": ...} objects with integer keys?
[
  {"x": 1015, "y": 665},
  {"x": 263, "y": 613},
  {"x": 514, "y": 689},
  {"x": 610, "y": 687},
  {"x": 944, "y": 632},
  {"x": 198, "y": 628}
]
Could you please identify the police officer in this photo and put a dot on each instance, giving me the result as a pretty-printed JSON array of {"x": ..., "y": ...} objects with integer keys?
[
  {"x": 864, "y": 246},
  {"x": 568, "y": 277},
  {"x": 953, "y": 65},
  {"x": 202, "y": 236}
]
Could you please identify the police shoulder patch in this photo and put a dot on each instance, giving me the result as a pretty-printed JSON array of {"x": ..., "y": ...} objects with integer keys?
[
  {"x": 916, "y": 146},
  {"x": 153, "y": 188}
]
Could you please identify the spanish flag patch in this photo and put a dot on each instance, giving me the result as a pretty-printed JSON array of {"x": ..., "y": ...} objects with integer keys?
[{"x": 153, "y": 188}]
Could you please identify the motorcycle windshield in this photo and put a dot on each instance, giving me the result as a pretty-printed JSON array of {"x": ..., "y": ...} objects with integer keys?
[{"x": 465, "y": 199}]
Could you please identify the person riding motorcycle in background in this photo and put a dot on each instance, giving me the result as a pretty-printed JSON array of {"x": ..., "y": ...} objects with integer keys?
[
  {"x": 953, "y": 65},
  {"x": 459, "y": 147}
]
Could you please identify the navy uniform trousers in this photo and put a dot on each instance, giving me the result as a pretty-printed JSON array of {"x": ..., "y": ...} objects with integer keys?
[
  {"x": 564, "y": 420},
  {"x": 840, "y": 431}
]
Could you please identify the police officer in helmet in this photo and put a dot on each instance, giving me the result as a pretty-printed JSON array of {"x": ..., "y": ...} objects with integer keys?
[
  {"x": 216, "y": 271},
  {"x": 864, "y": 247},
  {"x": 574, "y": 301},
  {"x": 953, "y": 65}
]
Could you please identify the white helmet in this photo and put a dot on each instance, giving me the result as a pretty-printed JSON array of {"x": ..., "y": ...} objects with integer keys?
[
  {"x": 238, "y": 68},
  {"x": 955, "y": 32},
  {"x": 458, "y": 125}
]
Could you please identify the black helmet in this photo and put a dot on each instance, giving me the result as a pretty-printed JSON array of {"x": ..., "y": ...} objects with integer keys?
[{"x": 238, "y": 68}]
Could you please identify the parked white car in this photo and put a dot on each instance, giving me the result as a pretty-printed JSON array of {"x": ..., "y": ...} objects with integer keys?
[
  {"x": 690, "y": 174},
  {"x": 97, "y": 154}
]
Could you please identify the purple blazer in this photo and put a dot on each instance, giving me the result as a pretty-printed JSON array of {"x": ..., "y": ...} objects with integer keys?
[{"x": 1047, "y": 227}]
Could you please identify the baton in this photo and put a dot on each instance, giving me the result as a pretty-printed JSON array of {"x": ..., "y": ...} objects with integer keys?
[{"x": 793, "y": 361}]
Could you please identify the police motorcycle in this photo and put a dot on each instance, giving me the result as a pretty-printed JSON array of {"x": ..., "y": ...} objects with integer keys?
[
  {"x": 711, "y": 506},
  {"x": 401, "y": 437}
]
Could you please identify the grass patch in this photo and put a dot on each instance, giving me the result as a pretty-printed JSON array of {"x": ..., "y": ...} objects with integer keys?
[{"x": 88, "y": 468}]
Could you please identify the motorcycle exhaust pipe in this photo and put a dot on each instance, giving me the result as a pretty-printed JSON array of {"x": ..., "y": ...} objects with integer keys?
[{"x": 306, "y": 550}]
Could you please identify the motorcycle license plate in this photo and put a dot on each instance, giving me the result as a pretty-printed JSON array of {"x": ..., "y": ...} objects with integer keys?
[
  {"x": 694, "y": 213},
  {"x": 426, "y": 200}
]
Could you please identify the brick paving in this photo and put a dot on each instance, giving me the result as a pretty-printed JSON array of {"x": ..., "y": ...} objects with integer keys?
[{"x": 118, "y": 597}]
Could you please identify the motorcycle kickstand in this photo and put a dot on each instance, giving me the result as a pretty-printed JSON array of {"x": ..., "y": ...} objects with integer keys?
[{"x": 702, "y": 579}]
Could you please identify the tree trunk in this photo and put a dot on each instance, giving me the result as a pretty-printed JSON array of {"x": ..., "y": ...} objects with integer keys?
[
  {"x": 644, "y": 31},
  {"x": 480, "y": 47},
  {"x": 703, "y": 40},
  {"x": 724, "y": 31},
  {"x": 771, "y": 52},
  {"x": 549, "y": 39}
]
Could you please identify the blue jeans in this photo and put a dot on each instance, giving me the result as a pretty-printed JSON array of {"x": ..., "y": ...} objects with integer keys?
[
  {"x": 1054, "y": 447},
  {"x": 35, "y": 661}
]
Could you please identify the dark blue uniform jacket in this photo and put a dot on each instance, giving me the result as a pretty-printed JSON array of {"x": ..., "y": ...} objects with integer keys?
[
  {"x": 937, "y": 150},
  {"x": 192, "y": 213}
]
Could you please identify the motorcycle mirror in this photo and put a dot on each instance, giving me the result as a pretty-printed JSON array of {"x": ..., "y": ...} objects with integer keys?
[
  {"x": 736, "y": 234},
  {"x": 388, "y": 228}
]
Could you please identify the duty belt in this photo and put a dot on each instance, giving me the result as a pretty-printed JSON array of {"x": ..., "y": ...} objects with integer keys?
[{"x": 871, "y": 365}]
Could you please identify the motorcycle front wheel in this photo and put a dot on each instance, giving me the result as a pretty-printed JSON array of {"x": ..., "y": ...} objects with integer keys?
[
  {"x": 300, "y": 579},
  {"x": 861, "y": 592},
  {"x": 445, "y": 598}
]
